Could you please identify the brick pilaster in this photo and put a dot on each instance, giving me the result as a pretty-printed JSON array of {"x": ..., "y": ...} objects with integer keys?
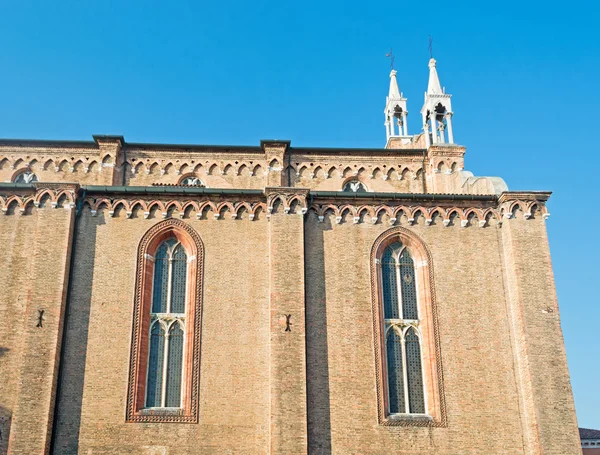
[
  {"x": 38, "y": 370},
  {"x": 111, "y": 159},
  {"x": 438, "y": 167},
  {"x": 548, "y": 415},
  {"x": 275, "y": 155},
  {"x": 288, "y": 434}
]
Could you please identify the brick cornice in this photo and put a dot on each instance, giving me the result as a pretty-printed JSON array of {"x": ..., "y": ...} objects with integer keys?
[
  {"x": 447, "y": 150},
  {"x": 274, "y": 144},
  {"x": 540, "y": 196},
  {"x": 57, "y": 186}
]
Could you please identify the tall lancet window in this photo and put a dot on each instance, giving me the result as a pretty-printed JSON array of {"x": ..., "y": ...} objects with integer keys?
[
  {"x": 402, "y": 334},
  {"x": 407, "y": 349},
  {"x": 167, "y": 329},
  {"x": 164, "y": 377}
]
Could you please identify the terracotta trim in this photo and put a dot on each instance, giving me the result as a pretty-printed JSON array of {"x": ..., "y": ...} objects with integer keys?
[
  {"x": 192, "y": 243},
  {"x": 431, "y": 352}
]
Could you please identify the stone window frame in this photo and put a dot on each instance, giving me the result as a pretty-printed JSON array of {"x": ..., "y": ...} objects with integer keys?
[
  {"x": 168, "y": 320},
  {"x": 20, "y": 172},
  {"x": 351, "y": 179},
  {"x": 403, "y": 326},
  {"x": 192, "y": 243},
  {"x": 429, "y": 331},
  {"x": 191, "y": 175}
]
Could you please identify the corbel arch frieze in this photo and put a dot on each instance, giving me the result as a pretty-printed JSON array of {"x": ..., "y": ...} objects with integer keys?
[
  {"x": 287, "y": 197},
  {"x": 59, "y": 195},
  {"x": 256, "y": 168},
  {"x": 464, "y": 216},
  {"x": 525, "y": 209},
  {"x": 169, "y": 208},
  {"x": 312, "y": 169},
  {"x": 521, "y": 204},
  {"x": 65, "y": 161}
]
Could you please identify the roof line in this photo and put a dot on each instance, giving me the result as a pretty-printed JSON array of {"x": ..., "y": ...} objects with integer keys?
[
  {"x": 399, "y": 196},
  {"x": 159, "y": 146},
  {"x": 47, "y": 142},
  {"x": 248, "y": 192},
  {"x": 359, "y": 150},
  {"x": 168, "y": 190},
  {"x": 148, "y": 145}
]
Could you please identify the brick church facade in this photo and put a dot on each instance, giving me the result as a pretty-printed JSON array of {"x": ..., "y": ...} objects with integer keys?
[{"x": 182, "y": 299}]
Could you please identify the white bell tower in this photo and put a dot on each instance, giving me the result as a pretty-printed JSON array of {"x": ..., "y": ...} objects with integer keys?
[
  {"x": 437, "y": 111},
  {"x": 395, "y": 112}
]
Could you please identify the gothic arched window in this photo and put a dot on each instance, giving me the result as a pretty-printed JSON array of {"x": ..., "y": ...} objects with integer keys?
[
  {"x": 410, "y": 389},
  {"x": 354, "y": 186},
  {"x": 401, "y": 322},
  {"x": 167, "y": 317},
  {"x": 164, "y": 375},
  {"x": 26, "y": 177},
  {"x": 192, "y": 180}
]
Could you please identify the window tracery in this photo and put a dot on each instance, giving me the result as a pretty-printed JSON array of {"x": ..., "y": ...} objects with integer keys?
[
  {"x": 192, "y": 181},
  {"x": 409, "y": 374},
  {"x": 354, "y": 186},
  {"x": 165, "y": 364},
  {"x": 167, "y": 319},
  {"x": 26, "y": 177},
  {"x": 401, "y": 324}
]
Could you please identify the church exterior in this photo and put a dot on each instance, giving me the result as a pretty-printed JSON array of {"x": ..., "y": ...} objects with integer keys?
[{"x": 183, "y": 299}]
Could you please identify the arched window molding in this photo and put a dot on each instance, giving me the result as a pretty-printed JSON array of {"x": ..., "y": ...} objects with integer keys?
[
  {"x": 165, "y": 351},
  {"x": 407, "y": 349},
  {"x": 354, "y": 185},
  {"x": 24, "y": 176},
  {"x": 191, "y": 179}
]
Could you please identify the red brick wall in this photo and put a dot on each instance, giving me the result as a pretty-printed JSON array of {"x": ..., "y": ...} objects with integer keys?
[
  {"x": 234, "y": 371},
  {"x": 36, "y": 263}
]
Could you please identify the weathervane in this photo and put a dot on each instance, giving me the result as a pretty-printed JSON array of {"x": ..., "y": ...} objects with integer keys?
[
  {"x": 430, "y": 47},
  {"x": 391, "y": 57}
]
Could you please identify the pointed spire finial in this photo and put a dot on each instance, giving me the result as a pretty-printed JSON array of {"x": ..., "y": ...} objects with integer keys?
[
  {"x": 437, "y": 109},
  {"x": 394, "y": 92},
  {"x": 395, "y": 107},
  {"x": 434, "y": 87}
]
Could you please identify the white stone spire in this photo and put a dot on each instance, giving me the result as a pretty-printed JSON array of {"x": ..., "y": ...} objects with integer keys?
[
  {"x": 434, "y": 87},
  {"x": 394, "y": 92},
  {"x": 437, "y": 111},
  {"x": 395, "y": 111}
]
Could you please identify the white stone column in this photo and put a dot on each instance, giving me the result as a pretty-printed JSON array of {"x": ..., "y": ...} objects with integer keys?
[
  {"x": 404, "y": 121},
  {"x": 434, "y": 132},
  {"x": 449, "y": 122}
]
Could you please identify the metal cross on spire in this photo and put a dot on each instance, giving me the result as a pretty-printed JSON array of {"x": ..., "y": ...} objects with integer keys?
[
  {"x": 430, "y": 47},
  {"x": 391, "y": 56}
]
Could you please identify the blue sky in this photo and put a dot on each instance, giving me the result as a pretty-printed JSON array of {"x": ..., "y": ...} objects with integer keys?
[{"x": 523, "y": 76}]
